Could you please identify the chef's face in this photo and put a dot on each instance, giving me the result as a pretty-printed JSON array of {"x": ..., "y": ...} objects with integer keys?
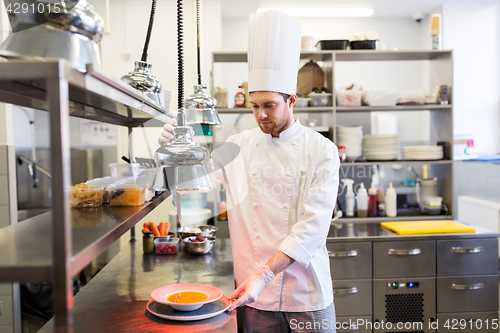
[{"x": 272, "y": 112}]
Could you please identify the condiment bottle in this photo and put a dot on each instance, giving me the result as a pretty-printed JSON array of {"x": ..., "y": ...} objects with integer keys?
[
  {"x": 222, "y": 205},
  {"x": 342, "y": 154},
  {"x": 239, "y": 98},
  {"x": 148, "y": 242},
  {"x": 391, "y": 202},
  {"x": 380, "y": 201},
  {"x": 362, "y": 201},
  {"x": 372, "y": 201},
  {"x": 349, "y": 197}
]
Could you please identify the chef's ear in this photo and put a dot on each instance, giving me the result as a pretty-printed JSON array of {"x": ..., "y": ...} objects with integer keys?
[{"x": 292, "y": 100}]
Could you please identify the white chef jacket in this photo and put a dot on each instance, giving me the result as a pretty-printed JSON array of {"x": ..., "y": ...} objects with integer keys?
[{"x": 281, "y": 195}]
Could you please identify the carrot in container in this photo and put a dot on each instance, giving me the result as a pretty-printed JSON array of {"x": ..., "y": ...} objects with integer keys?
[
  {"x": 154, "y": 229},
  {"x": 161, "y": 228},
  {"x": 167, "y": 228}
]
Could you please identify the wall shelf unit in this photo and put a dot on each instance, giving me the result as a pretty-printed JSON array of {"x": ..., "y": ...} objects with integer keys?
[
  {"x": 56, "y": 245},
  {"x": 439, "y": 71}
]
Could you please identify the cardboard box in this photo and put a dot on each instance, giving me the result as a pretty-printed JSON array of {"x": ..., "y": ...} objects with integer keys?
[{"x": 310, "y": 75}]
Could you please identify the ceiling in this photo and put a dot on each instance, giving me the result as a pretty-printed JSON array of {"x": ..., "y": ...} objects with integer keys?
[{"x": 383, "y": 8}]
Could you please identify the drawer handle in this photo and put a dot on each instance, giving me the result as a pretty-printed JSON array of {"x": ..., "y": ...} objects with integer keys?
[
  {"x": 344, "y": 291},
  {"x": 412, "y": 252},
  {"x": 352, "y": 253},
  {"x": 467, "y": 287},
  {"x": 353, "y": 327},
  {"x": 476, "y": 249}
]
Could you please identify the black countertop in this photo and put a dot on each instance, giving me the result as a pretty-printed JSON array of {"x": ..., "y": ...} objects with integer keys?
[{"x": 115, "y": 299}]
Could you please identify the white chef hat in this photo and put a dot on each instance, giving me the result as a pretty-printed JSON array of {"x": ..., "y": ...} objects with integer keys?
[{"x": 274, "y": 41}]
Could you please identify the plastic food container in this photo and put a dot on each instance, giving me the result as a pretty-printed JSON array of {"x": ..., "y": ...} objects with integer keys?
[
  {"x": 302, "y": 102},
  {"x": 124, "y": 169},
  {"x": 164, "y": 245},
  {"x": 386, "y": 97},
  {"x": 126, "y": 195},
  {"x": 319, "y": 99},
  {"x": 333, "y": 44},
  {"x": 104, "y": 183},
  {"x": 348, "y": 97},
  {"x": 364, "y": 44},
  {"x": 432, "y": 205},
  {"x": 83, "y": 195}
]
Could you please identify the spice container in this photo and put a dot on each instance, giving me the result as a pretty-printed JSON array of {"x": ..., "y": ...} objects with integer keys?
[
  {"x": 126, "y": 195},
  {"x": 83, "y": 195},
  {"x": 342, "y": 155},
  {"x": 164, "y": 245},
  {"x": 239, "y": 98},
  {"x": 148, "y": 243}
]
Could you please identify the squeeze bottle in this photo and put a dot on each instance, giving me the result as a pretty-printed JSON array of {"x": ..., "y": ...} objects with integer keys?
[
  {"x": 362, "y": 201},
  {"x": 380, "y": 201},
  {"x": 372, "y": 201},
  {"x": 349, "y": 197},
  {"x": 391, "y": 201}
]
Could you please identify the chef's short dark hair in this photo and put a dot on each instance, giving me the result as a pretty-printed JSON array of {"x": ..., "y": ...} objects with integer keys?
[{"x": 285, "y": 96}]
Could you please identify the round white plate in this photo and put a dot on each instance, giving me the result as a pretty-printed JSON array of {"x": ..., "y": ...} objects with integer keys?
[
  {"x": 206, "y": 311},
  {"x": 161, "y": 294}
]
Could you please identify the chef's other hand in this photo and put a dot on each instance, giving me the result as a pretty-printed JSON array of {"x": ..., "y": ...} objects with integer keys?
[
  {"x": 251, "y": 288},
  {"x": 167, "y": 134}
]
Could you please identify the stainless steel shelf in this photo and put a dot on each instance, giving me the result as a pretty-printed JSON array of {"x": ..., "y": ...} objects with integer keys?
[
  {"x": 26, "y": 247},
  {"x": 295, "y": 109},
  {"x": 430, "y": 107},
  {"x": 363, "y": 220},
  {"x": 369, "y": 163},
  {"x": 373, "y": 55},
  {"x": 93, "y": 95}
]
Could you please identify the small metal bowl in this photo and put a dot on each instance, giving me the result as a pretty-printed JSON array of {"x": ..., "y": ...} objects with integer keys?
[
  {"x": 199, "y": 247},
  {"x": 206, "y": 230}
]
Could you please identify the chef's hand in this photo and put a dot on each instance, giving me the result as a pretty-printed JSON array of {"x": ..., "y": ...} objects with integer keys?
[
  {"x": 251, "y": 288},
  {"x": 167, "y": 134}
]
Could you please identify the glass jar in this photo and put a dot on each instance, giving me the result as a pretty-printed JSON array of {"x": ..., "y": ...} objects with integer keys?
[{"x": 148, "y": 242}]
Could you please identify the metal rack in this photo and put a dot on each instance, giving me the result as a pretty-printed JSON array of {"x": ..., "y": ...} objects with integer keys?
[
  {"x": 52, "y": 246},
  {"x": 440, "y": 71}
]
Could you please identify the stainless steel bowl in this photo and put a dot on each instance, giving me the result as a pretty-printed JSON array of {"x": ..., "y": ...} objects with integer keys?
[
  {"x": 199, "y": 247},
  {"x": 206, "y": 230}
]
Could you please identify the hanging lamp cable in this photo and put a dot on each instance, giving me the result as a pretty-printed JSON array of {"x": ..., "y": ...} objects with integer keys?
[
  {"x": 198, "y": 39},
  {"x": 148, "y": 35},
  {"x": 180, "y": 66}
]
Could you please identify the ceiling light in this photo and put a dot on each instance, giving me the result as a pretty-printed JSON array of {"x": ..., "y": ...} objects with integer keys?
[{"x": 324, "y": 12}]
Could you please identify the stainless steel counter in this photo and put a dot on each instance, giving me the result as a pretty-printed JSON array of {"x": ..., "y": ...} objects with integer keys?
[{"x": 115, "y": 299}]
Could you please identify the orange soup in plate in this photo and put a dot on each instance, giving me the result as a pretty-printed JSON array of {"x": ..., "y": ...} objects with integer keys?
[{"x": 185, "y": 297}]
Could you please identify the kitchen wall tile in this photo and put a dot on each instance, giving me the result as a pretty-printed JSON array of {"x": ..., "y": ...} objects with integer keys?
[
  {"x": 6, "y": 289},
  {"x": 13, "y": 213},
  {"x": 4, "y": 162},
  {"x": 11, "y": 156},
  {"x": 4, "y": 215},
  {"x": 493, "y": 192},
  {"x": 12, "y": 188},
  {"x": 481, "y": 167},
  {"x": 7, "y": 317},
  {"x": 7, "y": 329},
  {"x": 4, "y": 190}
]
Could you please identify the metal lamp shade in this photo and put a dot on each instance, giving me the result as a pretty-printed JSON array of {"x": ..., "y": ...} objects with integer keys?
[
  {"x": 180, "y": 165},
  {"x": 201, "y": 108},
  {"x": 142, "y": 80}
]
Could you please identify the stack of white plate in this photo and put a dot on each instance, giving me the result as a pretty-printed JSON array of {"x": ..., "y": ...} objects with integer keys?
[
  {"x": 423, "y": 153},
  {"x": 352, "y": 139},
  {"x": 381, "y": 147}
]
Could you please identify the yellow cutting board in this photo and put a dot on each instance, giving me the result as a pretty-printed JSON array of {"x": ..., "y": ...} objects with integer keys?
[{"x": 427, "y": 227}]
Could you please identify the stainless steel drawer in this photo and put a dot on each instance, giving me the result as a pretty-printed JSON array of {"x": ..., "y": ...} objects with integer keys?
[
  {"x": 350, "y": 260},
  {"x": 352, "y": 297},
  {"x": 404, "y": 259},
  {"x": 358, "y": 324},
  {"x": 467, "y": 257},
  {"x": 486, "y": 322},
  {"x": 467, "y": 294}
]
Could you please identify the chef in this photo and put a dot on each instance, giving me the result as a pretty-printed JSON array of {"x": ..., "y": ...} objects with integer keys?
[{"x": 282, "y": 189}]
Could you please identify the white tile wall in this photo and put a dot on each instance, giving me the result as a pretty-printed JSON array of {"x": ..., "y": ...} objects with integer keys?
[{"x": 7, "y": 329}]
